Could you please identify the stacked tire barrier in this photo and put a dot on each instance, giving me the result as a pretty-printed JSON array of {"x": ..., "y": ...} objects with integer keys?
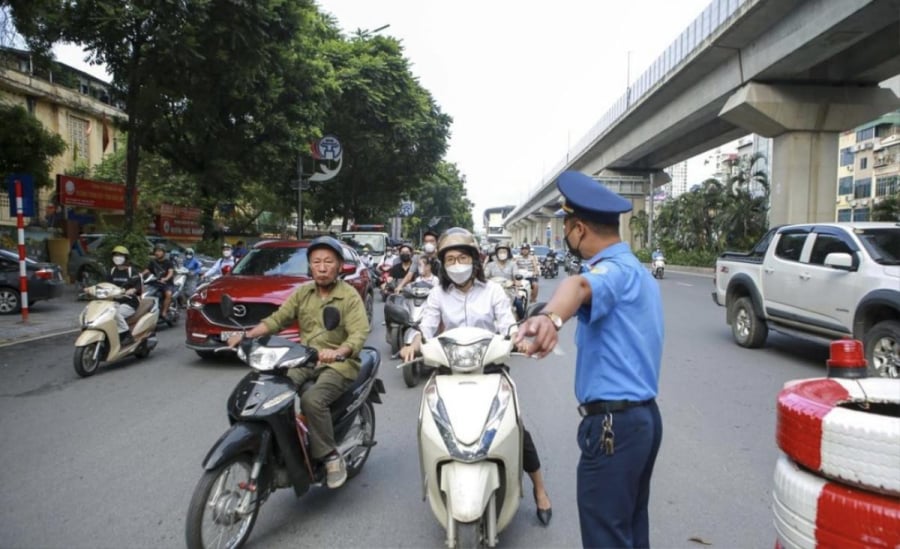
[{"x": 838, "y": 482}]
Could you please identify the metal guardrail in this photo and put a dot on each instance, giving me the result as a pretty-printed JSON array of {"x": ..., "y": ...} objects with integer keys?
[{"x": 714, "y": 17}]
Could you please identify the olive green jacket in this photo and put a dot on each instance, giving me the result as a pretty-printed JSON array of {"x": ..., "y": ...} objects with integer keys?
[{"x": 305, "y": 306}]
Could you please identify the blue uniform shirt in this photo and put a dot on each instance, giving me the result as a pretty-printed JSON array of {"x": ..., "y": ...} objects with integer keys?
[{"x": 620, "y": 334}]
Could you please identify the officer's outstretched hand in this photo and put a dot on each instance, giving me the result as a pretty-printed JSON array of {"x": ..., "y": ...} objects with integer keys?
[{"x": 542, "y": 333}]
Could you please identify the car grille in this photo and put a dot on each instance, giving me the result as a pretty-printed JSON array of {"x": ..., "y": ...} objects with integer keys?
[{"x": 255, "y": 313}]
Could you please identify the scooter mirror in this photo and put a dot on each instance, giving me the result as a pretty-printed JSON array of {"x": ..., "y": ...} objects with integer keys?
[
  {"x": 227, "y": 306},
  {"x": 535, "y": 309},
  {"x": 331, "y": 317}
]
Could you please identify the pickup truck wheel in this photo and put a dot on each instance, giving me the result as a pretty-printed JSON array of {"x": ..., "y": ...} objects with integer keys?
[
  {"x": 883, "y": 349},
  {"x": 748, "y": 329}
]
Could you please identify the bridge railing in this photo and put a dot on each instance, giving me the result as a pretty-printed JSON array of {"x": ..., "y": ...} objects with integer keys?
[{"x": 714, "y": 17}]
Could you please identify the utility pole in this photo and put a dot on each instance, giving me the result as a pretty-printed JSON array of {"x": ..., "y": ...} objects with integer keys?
[{"x": 650, "y": 223}]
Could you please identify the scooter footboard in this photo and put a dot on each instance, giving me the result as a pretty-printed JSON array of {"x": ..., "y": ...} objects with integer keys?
[{"x": 468, "y": 488}]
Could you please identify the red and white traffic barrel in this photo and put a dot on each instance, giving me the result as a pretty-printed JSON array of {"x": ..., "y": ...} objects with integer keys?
[
  {"x": 811, "y": 512},
  {"x": 844, "y": 429}
]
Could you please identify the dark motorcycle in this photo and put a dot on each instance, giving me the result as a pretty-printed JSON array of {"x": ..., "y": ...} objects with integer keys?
[
  {"x": 267, "y": 447},
  {"x": 573, "y": 264},
  {"x": 549, "y": 266},
  {"x": 402, "y": 314},
  {"x": 154, "y": 289},
  {"x": 384, "y": 275}
]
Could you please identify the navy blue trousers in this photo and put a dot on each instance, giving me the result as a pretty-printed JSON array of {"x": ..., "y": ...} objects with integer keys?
[{"x": 614, "y": 490}]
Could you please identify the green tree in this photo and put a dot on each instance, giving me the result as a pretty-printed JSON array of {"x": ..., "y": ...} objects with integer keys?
[
  {"x": 441, "y": 202},
  {"x": 392, "y": 131},
  {"x": 25, "y": 146},
  {"x": 639, "y": 225},
  {"x": 887, "y": 209}
]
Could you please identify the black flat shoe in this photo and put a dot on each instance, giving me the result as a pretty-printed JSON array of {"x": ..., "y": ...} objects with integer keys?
[{"x": 544, "y": 515}]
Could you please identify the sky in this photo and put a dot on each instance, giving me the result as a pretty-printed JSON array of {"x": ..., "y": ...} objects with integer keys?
[{"x": 523, "y": 81}]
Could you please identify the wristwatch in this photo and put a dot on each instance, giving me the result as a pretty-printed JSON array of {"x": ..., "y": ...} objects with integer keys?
[{"x": 555, "y": 319}]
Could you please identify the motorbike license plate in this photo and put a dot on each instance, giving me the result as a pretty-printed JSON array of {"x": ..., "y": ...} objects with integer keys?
[{"x": 227, "y": 335}]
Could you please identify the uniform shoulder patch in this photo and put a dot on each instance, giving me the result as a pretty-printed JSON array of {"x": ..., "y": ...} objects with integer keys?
[{"x": 599, "y": 269}]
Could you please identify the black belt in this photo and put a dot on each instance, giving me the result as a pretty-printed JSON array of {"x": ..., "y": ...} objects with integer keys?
[{"x": 608, "y": 406}]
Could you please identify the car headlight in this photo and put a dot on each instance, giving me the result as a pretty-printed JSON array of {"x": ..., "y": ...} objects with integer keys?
[
  {"x": 266, "y": 358},
  {"x": 467, "y": 357},
  {"x": 479, "y": 449}
]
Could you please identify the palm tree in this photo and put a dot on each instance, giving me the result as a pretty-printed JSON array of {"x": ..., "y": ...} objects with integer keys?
[{"x": 638, "y": 224}]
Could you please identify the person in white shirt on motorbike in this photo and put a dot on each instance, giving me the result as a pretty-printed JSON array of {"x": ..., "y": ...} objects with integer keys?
[
  {"x": 218, "y": 268},
  {"x": 529, "y": 262},
  {"x": 465, "y": 298},
  {"x": 502, "y": 265}
]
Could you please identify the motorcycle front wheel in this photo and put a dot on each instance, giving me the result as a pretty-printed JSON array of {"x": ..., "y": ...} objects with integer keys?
[
  {"x": 85, "y": 363},
  {"x": 213, "y": 519},
  {"x": 410, "y": 375}
]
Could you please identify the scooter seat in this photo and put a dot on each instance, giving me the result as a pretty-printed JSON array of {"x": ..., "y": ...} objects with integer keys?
[
  {"x": 370, "y": 359},
  {"x": 145, "y": 306}
]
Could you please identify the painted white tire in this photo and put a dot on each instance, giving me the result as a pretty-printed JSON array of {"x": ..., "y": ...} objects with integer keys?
[
  {"x": 855, "y": 447},
  {"x": 811, "y": 512}
]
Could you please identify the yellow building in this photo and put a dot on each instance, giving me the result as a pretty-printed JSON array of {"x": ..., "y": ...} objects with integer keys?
[
  {"x": 868, "y": 167},
  {"x": 71, "y": 103}
]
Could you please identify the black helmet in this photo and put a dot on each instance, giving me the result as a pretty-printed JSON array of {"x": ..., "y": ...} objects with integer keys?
[
  {"x": 326, "y": 242},
  {"x": 158, "y": 246}
]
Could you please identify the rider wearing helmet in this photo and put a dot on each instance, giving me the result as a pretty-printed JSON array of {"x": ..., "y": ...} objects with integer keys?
[
  {"x": 338, "y": 348},
  {"x": 429, "y": 249},
  {"x": 125, "y": 276},
  {"x": 219, "y": 267},
  {"x": 191, "y": 263},
  {"x": 465, "y": 298},
  {"x": 162, "y": 268},
  {"x": 502, "y": 265},
  {"x": 529, "y": 262}
]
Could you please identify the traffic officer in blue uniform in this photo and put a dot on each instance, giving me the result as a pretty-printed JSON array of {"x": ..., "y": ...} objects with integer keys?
[{"x": 619, "y": 340}]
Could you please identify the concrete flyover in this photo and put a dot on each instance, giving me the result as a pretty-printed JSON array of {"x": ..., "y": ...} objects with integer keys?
[{"x": 799, "y": 71}]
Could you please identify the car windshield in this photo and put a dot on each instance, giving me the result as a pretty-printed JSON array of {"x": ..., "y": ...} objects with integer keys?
[
  {"x": 273, "y": 262},
  {"x": 882, "y": 244},
  {"x": 375, "y": 242}
]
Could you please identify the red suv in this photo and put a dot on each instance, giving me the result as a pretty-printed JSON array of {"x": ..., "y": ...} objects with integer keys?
[{"x": 259, "y": 283}]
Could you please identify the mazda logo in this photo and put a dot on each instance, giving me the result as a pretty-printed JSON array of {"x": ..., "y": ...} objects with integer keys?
[{"x": 240, "y": 311}]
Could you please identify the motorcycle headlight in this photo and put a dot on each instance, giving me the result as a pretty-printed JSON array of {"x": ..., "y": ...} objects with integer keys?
[
  {"x": 465, "y": 358},
  {"x": 101, "y": 293},
  {"x": 266, "y": 358},
  {"x": 479, "y": 449}
]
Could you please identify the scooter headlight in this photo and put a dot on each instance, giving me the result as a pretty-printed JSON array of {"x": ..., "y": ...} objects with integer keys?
[
  {"x": 465, "y": 357},
  {"x": 479, "y": 449},
  {"x": 266, "y": 358}
]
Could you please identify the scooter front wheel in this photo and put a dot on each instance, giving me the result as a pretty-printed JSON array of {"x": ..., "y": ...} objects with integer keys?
[
  {"x": 468, "y": 535},
  {"x": 410, "y": 375},
  {"x": 84, "y": 360},
  {"x": 214, "y": 517}
]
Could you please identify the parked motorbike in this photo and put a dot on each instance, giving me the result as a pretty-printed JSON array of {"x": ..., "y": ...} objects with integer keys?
[
  {"x": 154, "y": 289},
  {"x": 470, "y": 437},
  {"x": 402, "y": 314},
  {"x": 99, "y": 338},
  {"x": 267, "y": 448},
  {"x": 658, "y": 266}
]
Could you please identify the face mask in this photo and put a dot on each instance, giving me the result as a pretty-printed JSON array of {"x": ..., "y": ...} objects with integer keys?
[
  {"x": 189, "y": 256},
  {"x": 404, "y": 257},
  {"x": 118, "y": 259},
  {"x": 502, "y": 256},
  {"x": 226, "y": 253},
  {"x": 459, "y": 274},
  {"x": 429, "y": 248},
  {"x": 573, "y": 249}
]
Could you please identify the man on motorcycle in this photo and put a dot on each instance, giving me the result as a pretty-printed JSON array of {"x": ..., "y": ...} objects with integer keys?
[
  {"x": 164, "y": 271},
  {"x": 466, "y": 298},
  {"x": 403, "y": 266},
  {"x": 124, "y": 276},
  {"x": 338, "y": 348},
  {"x": 529, "y": 262},
  {"x": 429, "y": 249},
  {"x": 191, "y": 263},
  {"x": 225, "y": 261}
]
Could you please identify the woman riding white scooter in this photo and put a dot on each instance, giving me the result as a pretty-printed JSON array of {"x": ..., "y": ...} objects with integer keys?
[{"x": 465, "y": 298}]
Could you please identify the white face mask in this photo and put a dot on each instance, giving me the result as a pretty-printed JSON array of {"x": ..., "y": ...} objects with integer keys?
[
  {"x": 118, "y": 259},
  {"x": 502, "y": 256},
  {"x": 459, "y": 274},
  {"x": 428, "y": 248},
  {"x": 226, "y": 253}
]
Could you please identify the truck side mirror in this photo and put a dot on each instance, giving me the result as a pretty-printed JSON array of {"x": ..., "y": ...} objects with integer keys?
[{"x": 840, "y": 261}]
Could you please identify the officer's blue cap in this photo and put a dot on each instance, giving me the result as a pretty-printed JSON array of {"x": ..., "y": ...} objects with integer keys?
[{"x": 588, "y": 199}]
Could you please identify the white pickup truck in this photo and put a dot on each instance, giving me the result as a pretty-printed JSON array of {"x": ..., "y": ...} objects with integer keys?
[{"x": 823, "y": 280}]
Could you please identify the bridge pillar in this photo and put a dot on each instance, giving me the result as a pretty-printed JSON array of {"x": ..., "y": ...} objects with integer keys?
[{"x": 805, "y": 122}]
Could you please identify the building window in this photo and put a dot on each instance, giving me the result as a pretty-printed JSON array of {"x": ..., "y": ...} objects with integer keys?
[
  {"x": 845, "y": 185},
  {"x": 865, "y": 134},
  {"x": 78, "y": 137},
  {"x": 846, "y": 157},
  {"x": 886, "y": 186},
  {"x": 863, "y": 163},
  {"x": 861, "y": 214},
  {"x": 845, "y": 215},
  {"x": 862, "y": 188}
]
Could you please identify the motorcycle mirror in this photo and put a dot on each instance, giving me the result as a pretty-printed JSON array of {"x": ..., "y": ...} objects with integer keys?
[
  {"x": 227, "y": 306},
  {"x": 535, "y": 309},
  {"x": 331, "y": 317},
  {"x": 347, "y": 269}
]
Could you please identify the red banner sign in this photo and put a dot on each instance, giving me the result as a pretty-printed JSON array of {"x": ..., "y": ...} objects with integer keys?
[
  {"x": 74, "y": 191},
  {"x": 179, "y": 223}
]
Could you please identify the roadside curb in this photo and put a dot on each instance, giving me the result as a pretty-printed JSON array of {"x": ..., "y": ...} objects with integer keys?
[{"x": 51, "y": 318}]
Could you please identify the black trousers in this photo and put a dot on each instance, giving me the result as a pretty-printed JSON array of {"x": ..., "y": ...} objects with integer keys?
[{"x": 531, "y": 462}]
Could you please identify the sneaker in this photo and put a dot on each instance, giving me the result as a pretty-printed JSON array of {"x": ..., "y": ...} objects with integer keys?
[
  {"x": 336, "y": 471},
  {"x": 125, "y": 339}
]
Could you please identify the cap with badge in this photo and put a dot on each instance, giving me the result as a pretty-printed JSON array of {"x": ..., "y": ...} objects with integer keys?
[{"x": 588, "y": 199}]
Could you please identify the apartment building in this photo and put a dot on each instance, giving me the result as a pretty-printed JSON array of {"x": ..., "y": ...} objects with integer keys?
[{"x": 868, "y": 167}]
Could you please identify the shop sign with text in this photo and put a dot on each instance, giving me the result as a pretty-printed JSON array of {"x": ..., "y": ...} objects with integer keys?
[
  {"x": 179, "y": 223},
  {"x": 74, "y": 191}
]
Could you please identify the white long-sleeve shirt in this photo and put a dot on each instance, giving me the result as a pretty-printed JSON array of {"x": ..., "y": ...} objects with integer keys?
[{"x": 485, "y": 305}]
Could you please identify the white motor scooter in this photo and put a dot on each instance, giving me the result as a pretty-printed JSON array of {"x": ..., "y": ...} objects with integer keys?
[
  {"x": 470, "y": 437},
  {"x": 522, "y": 297},
  {"x": 658, "y": 266},
  {"x": 99, "y": 338}
]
